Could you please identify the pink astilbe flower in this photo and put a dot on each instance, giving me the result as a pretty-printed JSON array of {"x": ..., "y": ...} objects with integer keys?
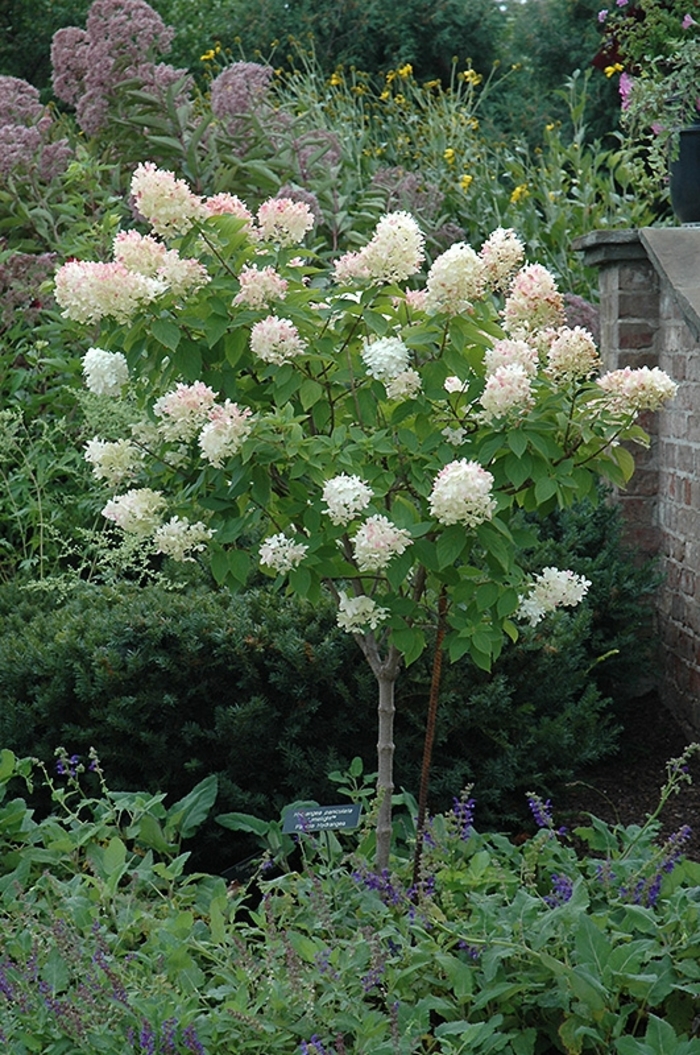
[
  {"x": 284, "y": 221},
  {"x": 184, "y": 411},
  {"x": 276, "y": 340},
  {"x": 89, "y": 291},
  {"x": 461, "y": 494},
  {"x": 89, "y": 64},
  {"x": 237, "y": 93},
  {"x": 224, "y": 434},
  {"x": 166, "y": 202},
  {"x": 455, "y": 281},
  {"x": 260, "y": 286},
  {"x": 534, "y": 302},
  {"x": 25, "y": 129}
]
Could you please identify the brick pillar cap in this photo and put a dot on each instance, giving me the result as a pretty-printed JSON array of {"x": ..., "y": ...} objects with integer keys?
[{"x": 601, "y": 248}]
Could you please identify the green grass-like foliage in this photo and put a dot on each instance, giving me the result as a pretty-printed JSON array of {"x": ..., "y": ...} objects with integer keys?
[{"x": 110, "y": 946}]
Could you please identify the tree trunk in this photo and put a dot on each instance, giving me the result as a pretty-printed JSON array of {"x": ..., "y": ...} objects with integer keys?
[{"x": 386, "y": 672}]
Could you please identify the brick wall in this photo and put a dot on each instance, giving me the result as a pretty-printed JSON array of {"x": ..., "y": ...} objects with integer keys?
[{"x": 650, "y": 316}]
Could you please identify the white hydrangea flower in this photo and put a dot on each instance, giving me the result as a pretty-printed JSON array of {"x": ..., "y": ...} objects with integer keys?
[
  {"x": 224, "y": 434},
  {"x": 285, "y": 221},
  {"x": 455, "y": 281},
  {"x": 377, "y": 541},
  {"x": 395, "y": 251},
  {"x": 534, "y": 303},
  {"x": 551, "y": 589},
  {"x": 507, "y": 351},
  {"x": 572, "y": 355},
  {"x": 281, "y": 553},
  {"x": 386, "y": 358},
  {"x": 646, "y": 388},
  {"x": 105, "y": 373},
  {"x": 508, "y": 388},
  {"x": 461, "y": 494},
  {"x": 138, "y": 512},
  {"x": 260, "y": 286},
  {"x": 356, "y": 614},
  {"x": 453, "y": 384},
  {"x": 179, "y": 538},
  {"x": 345, "y": 496},
  {"x": 184, "y": 411},
  {"x": 92, "y": 290},
  {"x": 502, "y": 254},
  {"x": 405, "y": 385},
  {"x": 113, "y": 462},
  {"x": 166, "y": 202},
  {"x": 455, "y": 436},
  {"x": 276, "y": 340}
]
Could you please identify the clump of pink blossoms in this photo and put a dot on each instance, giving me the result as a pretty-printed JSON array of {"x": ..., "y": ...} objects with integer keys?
[
  {"x": 508, "y": 388},
  {"x": 184, "y": 411},
  {"x": 276, "y": 340},
  {"x": 377, "y": 541},
  {"x": 534, "y": 303},
  {"x": 89, "y": 291},
  {"x": 501, "y": 255},
  {"x": 225, "y": 432},
  {"x": 634, "y": 390},
  {"x": 572, "y": 355},
  {"x": 462, "y": 494},
  {"x": 393, "y": 254},
  {"x": 260, "y": 286},
  {"x": 166, "y": 202},
  {"x": 285, "y": 221}
]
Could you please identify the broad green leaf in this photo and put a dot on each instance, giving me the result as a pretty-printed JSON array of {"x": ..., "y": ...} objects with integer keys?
[
  {"x": 167, "y": 333},
  {"x": 187, "y": 815},
  {"x": 450, "y": 545}
]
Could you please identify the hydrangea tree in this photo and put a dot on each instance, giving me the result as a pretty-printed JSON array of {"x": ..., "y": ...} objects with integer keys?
[{"x": 361, "y": 429}]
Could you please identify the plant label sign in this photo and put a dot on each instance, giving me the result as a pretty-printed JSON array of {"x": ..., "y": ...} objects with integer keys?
[{"x": 321, "y": 818}]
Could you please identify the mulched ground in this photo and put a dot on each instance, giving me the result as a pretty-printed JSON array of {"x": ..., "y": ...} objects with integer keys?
[{"x": 625, "y": 788}]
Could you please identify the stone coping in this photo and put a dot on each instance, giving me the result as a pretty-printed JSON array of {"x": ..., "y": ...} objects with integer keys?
[{"x": 674, "y": 252}]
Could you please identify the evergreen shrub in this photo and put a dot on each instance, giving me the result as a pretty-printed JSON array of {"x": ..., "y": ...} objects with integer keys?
[{"x": 268, "y": 694}]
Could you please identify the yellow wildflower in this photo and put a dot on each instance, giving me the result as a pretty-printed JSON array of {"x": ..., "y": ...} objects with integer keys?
[
  {"x": 432, "y": 84},
  {"x": 335, "y": 80},
  {"x": 399, "y": 98},
  {"x": 359, "y": 89},
  {"x": 471, "y": 77},
  {"x": 519, "y": 193},
  {"x": 405, "y": 71},
  {"x": 391, "y": 76},
  {"x": 207, "y": 56},
  {"x": 466, "y": 181},
  {"x": 550, "y": 127},
  {"x": 473, "y": 123},
  {"x": 386, "y": 94},
  {"x": 617, "y": 67},
  {"x": 449, "y": 155}
]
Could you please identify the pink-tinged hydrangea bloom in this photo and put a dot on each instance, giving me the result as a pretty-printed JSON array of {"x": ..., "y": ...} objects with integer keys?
[
  {"x": 631, "y": 391},
  {"x": 284, "y": 221},
  {"x": 534, "y": 302},
  {"x": 345, "y": 496},
  {"x": 166, "y": 202},
  {"x": 552, "y": 589},
  {"x": 349, "y": 267},
  {"x": 356, "y": 614},
  {"x": 405, "y": 385},
  {"x": 395, "y": 251},
  {"x": 461, "y": 494},
  {"x": 105, "y": 373},
  {"x": 455, "y": 281},
  {"x": 89, "y": 291},
  {"x": 138, "y": 512},
  {"x": 572, "y": 355},
  {"x": 276, "y": 340},
  {"x": 508, "y": 388},
  {"x": 386, "y": 358},
  {"x": 147, "y": 256},
  {"x": 625, "y": 89},
  {"x": 114, "y": 462},
  {"x": 179, "y": 538},
  {"x": 501, "y": 254},
  {"x": 231, "y": 205},
  {"x": 260, "y": 286},
  {"x": 454, "y": 384},
  {"x": 281, "y": 553},
  {"x": 377, "y": 541},
  {"x": 505, "y": 352},
  {"x": 224, "y": 434},
  {"x": 184, "y": 411}
]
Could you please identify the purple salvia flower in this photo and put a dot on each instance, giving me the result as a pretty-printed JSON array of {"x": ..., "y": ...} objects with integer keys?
[
  {"x": 147, "y": 1039},
  {"x": 562, "y": 889},
  {"x": 463, "y": 810},
  {"x": 192, "y": 1041}
]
